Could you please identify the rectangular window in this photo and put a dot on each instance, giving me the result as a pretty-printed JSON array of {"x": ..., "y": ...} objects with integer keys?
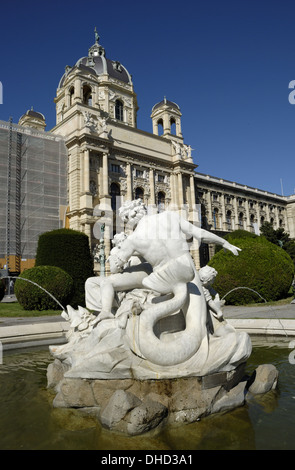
[
  {"x": 161, "y": 178},
  {"x": 139, "y": 173},
  {"x": 115, "y": 168}
]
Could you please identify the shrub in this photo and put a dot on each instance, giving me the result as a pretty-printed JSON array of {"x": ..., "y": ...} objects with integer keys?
[
  {"x": 234, "y": 235},
  {"x": 55, "y": 280},
  {"x": 261, "y": 266},
  {"x": 2, "y": 289},
  {"x": 69, "y": 250}
]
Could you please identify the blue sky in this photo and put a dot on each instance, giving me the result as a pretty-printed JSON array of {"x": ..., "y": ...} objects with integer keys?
[{"x": 227, "y": 64}]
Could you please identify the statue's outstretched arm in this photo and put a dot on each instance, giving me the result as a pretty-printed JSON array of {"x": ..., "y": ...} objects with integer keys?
[{"x": 206, "y": 237}]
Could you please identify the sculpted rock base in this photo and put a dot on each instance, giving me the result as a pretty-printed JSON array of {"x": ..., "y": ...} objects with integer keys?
[{"x": 135, "y": 406}]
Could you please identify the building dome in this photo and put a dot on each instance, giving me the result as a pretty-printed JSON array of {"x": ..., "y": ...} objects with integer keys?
[
  {"x": 167, "y": 103},
  {"x": 97, "y": 64},
  {"x": 33, "y": 119}
]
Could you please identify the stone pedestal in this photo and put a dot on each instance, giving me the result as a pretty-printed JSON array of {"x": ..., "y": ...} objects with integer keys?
[{"x": 135, "y": 407}]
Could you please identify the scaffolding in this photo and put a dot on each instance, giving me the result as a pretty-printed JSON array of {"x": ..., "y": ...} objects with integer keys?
[{"x": 33, "y": 190}]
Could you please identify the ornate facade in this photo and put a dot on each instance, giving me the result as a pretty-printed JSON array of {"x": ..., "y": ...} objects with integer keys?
[{"x": 110, "y": 160}]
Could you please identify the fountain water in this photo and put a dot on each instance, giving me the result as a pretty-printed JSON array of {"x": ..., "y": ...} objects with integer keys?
[
  {"x": 248, "y": 288},
  {"x": 37, "y": 285},
  {"x": 270, "y": 307}
]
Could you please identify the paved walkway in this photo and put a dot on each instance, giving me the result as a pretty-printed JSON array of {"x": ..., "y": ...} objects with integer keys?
[
  {"x": 261, "y": 311},
  {"x": 28, "y": 331}
]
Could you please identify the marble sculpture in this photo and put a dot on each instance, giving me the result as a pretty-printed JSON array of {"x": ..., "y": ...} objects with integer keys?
[{"x": 155, "y": 316}]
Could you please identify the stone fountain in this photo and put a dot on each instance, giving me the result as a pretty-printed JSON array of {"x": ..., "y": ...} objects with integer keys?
[{"x": 152, "y": 346}]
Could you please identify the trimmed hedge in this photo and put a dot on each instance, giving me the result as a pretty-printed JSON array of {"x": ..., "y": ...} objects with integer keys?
[
  {"x": 261, "y": 266},
  {"x": 55, "y": 280},
  {"x": 69, "y": 250},
  {"x": 236, "y": 234}
]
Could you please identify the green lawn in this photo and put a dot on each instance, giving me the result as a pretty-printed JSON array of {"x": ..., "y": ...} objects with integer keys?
[{"x": 14, "y": 309}]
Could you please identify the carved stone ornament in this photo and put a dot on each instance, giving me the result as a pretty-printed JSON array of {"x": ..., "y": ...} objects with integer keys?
[{"x": 89, "y": 121}]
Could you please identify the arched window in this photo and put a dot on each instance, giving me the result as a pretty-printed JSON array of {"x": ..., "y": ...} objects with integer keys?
[
  {"x": 72, "y": 92},
  {"x": 161, "y": 201},
  {"x": 119, "y": 110},
  {"x": 87, "y": 95},
  {"x": 115, "y": 192},
  {"x": 139, "y": 193},
  {"x": 228, "y": 220},
  {"x": 252, "y": 221},
  {"x": 172, "y": 126},
  {"x": 160, "y": 127},
  {"x": 241, "y": 220},
  {"x": 215, "y": 218}
]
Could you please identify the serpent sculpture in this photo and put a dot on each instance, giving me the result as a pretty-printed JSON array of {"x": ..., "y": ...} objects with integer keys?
[{"x": 177, "y": 347}]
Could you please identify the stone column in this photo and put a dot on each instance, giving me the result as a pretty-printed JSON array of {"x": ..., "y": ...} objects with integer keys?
[
  {"x": 258, "y": 214},
  {"x": 180, "y": 190},
  {"x": 67, "y": 98},
  {"x": 173, "y": 191},
  {"x": 192, "y": 191},
  {"x": 105, "y": 174},
  {"x": 178, "y": 127},
  {"x": 78, "y": 91},
  {"x": 86, "y": 171},
  {"x": 155, "y": 127},
  {"x": 209, "y": 219},
  {"x": 277, "y": 216},
  {"x": 267, "y": 212},
  {"x": 129, "y": 182},
  {"x": 236, "y": 226},
  {"x": 248, "y": 226},
  {"x": 166, "y": 124},
  {"x": 223, "y": 218},
  {"x": 152, "y": 186}
]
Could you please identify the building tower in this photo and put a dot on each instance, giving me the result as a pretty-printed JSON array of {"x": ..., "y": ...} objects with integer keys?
[
  {"x": 93, "y": 96},
  {"x": 166, "y": 119},
  {"x": 109, "y": 159}
]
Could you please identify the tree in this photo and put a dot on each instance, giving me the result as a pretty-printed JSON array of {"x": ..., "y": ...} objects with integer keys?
[{"x": 279, "y": 237}]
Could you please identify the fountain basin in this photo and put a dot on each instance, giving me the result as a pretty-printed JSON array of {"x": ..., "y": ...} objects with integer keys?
[{"x": 29, "y": 421}]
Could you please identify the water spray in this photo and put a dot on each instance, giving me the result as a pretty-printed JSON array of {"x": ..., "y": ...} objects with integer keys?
[
  {"x": 248, "y": 288},
  {"x": 35, "y": 284}
]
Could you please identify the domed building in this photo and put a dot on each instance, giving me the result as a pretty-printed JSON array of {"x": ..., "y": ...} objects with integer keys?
[
  {"x": 80, "y": 172},
  {"x": 100, "y": 83},
  {"x": 109, "y": 159}
]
